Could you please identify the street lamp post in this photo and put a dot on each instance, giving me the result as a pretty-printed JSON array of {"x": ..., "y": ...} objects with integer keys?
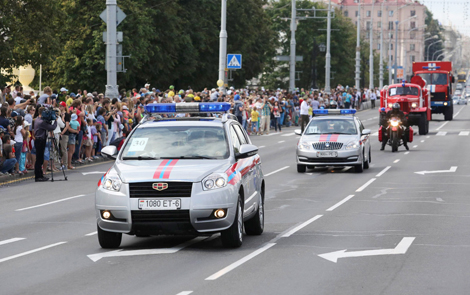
[
  {"x": 111, "y": 43},
  {"x": 223, "y": 44},
  {"x": 397, "y": 23},
  {"x": 437, "y": 52},
  {"x": 358, "y": 48},
  {"x": 429, "y": 47},
  {"x": 371, "y": 53},
  {"x": 381, "y": 65},
  {"x": 328, "y": 55},
  {"x": 293, "y": 27}
]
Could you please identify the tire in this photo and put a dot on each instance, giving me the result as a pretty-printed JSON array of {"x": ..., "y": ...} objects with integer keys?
[
  {"x": 233, "y": 236},
  {"x": 449, "y": 113},
  {"x": 427, "y": 125},
  {"x": 395, "y": 142},
  {"x": 359, "y": 168},
  {"x": 422, "y": 124},
  {"x": 366, "y": 163},
  {"x": 255, "y": 226},
  {"x": 109, "y": 240},
  {"x": 370, "y": 156},
  {"x": 301, "y": 168}
]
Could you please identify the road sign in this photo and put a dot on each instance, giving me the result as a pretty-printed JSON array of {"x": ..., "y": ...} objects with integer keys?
[
  {"x": 120, "y": 15},
  {"x": 234, "y": 61}
]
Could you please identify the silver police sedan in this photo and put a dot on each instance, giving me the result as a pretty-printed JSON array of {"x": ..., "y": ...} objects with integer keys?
[
  {"x": 182, "y": 176},
  {"x": 334, "y": 138}
]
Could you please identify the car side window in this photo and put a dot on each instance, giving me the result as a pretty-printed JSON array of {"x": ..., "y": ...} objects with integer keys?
[
  {"x": 361, "y": 127},
  {"x": 235, "y": 140},
  {"x": 241, "y": 134}
]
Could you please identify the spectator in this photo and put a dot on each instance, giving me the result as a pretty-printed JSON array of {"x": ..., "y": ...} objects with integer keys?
[
  {"x": 19, "y": 135},
  {"x": 73, "y": 133},
  {"x": 8, "y": 160},
  {"x": 45, "y": 98},
  {"x": 266, "y": 109},
  {"x": 41, "y": 128}
]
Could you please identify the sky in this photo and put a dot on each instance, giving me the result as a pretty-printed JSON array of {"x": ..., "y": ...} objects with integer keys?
[{"x": 451, "y": 12}]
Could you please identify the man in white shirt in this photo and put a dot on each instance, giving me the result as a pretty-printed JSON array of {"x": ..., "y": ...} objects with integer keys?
[
  {"x": 304, "y": 114},
  {"x": 373, "y": 97}
]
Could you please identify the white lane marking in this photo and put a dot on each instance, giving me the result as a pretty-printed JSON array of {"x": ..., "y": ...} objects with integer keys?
[
  {"x": 271, "y": 134},
  {"x": 239, "y": 262},
  {"x": 451, "y": 170},
  {"x": 91, "y": 234},
  {"x": 120, "y": 253},
  {"x": 415, "y": 146},
  {"x": 340, "y": 203},
  {"x": 428, "y": 136},
  {"x": 375, "y": 134},
  {"x": 300, "y": 226},
  {"x": 251, "y": 197},
  {"x": 457, "y": 113},
  {"x": 439, "y": 200},
  {"x": 406, "y": 153},
  {"x": 50, "y": 203},
  {"x": 396, "y": 161},
  {"x": 276, "y": 171},
  {"x": 422, "y": 140},
  {"x": 464, "y": 133},
  {"x": 442, "y": 125},
  {"x": 30, "y": 252},
  {"x": 11, "y": 241},
  {"x": 281, "y": 141},
  {"x": 260, "y": 147},
  {"x": 441, "y": 133},
  {"x": 185, "y": 293},
  {"x": 94, "y": 172},
  {"x": 401, "y": 248},
  {"x": 365, "y": 185},
  {"x": 289, "y": 134},
  {"x": 346, "y": 168},
  {"x": 383, "y": 171}
]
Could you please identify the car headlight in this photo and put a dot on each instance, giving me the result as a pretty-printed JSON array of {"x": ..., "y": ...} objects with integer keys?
[
  {"x": 390, "y": 105},
  {"x": 304, "y": 146},
  {"x": 353, "y": 145},
  {"x": 214, "y": 181},
  {"x": 414, "y": 105},
  {"x": 112, "y": 182}
]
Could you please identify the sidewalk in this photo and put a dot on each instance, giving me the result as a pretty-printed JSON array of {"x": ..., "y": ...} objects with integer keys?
[{"x": 9, "y": 179}]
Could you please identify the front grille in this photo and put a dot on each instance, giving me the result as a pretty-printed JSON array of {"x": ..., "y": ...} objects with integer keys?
[
  {"x": 174, "y": 190},
  {"x": 327, "y": 146},
  {"x": 160, "y": 216},
  {"x": 329, "y": 160},
  {"x": 438, "y": 96}
]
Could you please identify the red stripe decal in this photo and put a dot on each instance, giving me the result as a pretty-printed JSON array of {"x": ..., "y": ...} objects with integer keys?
[
  {"x": 323, "y": 137},
  {"x": 159, "y": 170},
  {"x": 167, "y": 172},
  {"x": 334, "y": 137}
]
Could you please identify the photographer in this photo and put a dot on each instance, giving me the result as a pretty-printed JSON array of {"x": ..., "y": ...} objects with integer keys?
[{"x": 41, "y": 129}]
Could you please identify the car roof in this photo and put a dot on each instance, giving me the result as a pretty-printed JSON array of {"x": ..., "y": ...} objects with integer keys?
[{"x": 342, "y": 117}]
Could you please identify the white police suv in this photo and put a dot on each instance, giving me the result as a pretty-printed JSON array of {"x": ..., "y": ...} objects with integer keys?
[
  {"x": 182, "y": 176},
  {"x": 334, "y": 138}
]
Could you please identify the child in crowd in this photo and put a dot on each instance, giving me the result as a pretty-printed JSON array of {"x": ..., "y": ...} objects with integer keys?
[
  {"x": 88, "y": 140},
  {"x": 99, "y": 139},
  {"x": 254, "y": 120},
  {"x": 25, "y": 147},
  {"x": 72, "y": 139}
]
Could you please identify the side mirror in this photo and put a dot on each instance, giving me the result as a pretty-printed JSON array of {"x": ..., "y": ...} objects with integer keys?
[
  {"x": 298, "y": 131},
  {"x": 110, "y": 151},
  {"x": 366, "y": 132},
  {"x": 246, "y": 151}
]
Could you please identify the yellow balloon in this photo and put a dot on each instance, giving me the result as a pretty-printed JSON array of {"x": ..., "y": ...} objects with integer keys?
[{"x": 220, "y": 83}]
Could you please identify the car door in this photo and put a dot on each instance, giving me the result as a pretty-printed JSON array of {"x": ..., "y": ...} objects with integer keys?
[{"x": 249, "y": 167}]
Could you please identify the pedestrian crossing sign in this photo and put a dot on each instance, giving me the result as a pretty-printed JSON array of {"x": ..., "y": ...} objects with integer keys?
[{"x": 234, "y": 61}]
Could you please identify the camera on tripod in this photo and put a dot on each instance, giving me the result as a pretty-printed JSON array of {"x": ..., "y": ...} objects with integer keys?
[{"x": 49, "y": 115}]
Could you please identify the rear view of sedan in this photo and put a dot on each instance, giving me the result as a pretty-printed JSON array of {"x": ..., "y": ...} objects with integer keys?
[{"x": 334, "y": 138}]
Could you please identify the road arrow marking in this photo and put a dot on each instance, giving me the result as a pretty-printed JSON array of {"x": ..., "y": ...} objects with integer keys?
[
  {"x": 452, "y": 169},
  {"x": 121, "y": 253},
  {"x": 94, "y": 172},
  {"x": 401, "y": 248}
]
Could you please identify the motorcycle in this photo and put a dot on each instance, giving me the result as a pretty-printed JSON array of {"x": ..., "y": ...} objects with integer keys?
[{"x": 395, "y": 131}]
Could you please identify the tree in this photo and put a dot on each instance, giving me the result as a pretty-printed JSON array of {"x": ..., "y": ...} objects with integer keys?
[{"x": 434, "y": 29}]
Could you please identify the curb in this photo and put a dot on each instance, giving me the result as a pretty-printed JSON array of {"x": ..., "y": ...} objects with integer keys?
[{"x": 4, "y": 180}]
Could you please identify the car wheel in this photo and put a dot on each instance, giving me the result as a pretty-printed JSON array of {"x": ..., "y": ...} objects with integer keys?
[
  {"x": 301, "y": 168},
  {"x": 109, "y": 240},
  {"x": 233, "y": 236},
  {"x": 359, "y": 168},
  {"x": 370, "y": 156},
  {"x": 255, "y": 226},
  {"x": 366, "y": 163}
]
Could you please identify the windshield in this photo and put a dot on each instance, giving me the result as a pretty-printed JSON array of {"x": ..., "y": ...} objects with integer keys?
[
  {"x": 176, "y": 142},
  {"x": 403, "y": 90},
  {"x": 434, "y": 79},
  {"x": 331, "y": 126}
]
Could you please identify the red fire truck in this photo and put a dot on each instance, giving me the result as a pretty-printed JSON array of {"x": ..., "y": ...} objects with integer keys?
[
  {"x": 438, "y": 77},
  {"x": 413, "y": 99}
]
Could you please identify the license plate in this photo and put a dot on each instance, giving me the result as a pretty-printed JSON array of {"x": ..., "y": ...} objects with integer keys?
[
  {"x": 160, "y": 204},
  {"x": 327, "y": 154}
]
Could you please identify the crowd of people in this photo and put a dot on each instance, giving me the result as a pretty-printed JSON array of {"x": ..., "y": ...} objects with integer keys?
[{"x": 85, "y": 122}]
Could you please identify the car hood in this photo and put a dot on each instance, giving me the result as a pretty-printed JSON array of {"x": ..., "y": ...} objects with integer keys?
[
  {"x": 329, "y": 138},
  {"x": 177, "y": 170}
]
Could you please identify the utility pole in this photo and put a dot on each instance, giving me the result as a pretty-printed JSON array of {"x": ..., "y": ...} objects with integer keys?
[
  {"x": 358, "y": 48},
  {"x": 314, "y": 66},
  {"x": 293, "y": 27},
  {"x": 328, "y": 55},
  {"x": 223, "y": 45},
  {"x": 396, "y": 51},
  {"x": 371, "y": 54},
  {"x": 111, "y": 43},
  {"x": 381, "y": 79}
]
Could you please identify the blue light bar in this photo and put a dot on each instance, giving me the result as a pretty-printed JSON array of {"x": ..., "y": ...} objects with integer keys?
[
  {"x": 348, "y": 112},
  {"x": 320, "y": 112},
  {"x": 334, "y": 112},
  {"x": 161, "y": 108},
  {"x": 214, "y": 107}
]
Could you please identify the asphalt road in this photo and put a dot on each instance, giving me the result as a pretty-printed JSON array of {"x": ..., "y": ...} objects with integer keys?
[{"x": 391, "y": 230}]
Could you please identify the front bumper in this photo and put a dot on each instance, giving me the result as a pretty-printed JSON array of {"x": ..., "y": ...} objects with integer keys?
[
  {"x": 344, "y": 158},
  {"x": 194, "y": 216}
]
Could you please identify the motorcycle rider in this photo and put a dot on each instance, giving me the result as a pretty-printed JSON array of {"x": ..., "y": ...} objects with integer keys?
[{"x": 395, "y": 112}]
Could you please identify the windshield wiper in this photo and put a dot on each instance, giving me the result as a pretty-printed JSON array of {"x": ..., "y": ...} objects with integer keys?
[
  {"x": 140, "y": 158},
  {"x": 336, "y": 133},
  {"x": 188, "y": 157}
]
